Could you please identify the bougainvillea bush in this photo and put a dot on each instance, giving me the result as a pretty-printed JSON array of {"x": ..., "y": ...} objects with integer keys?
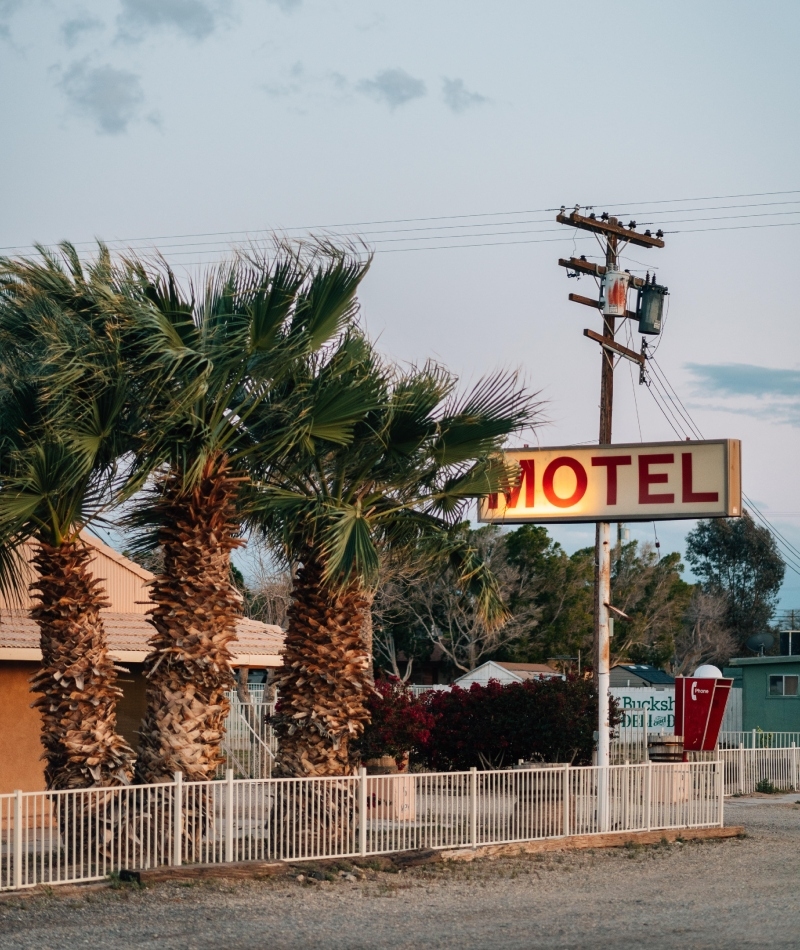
[
  {"x": 400, "y": 724},
  {"x": 489, "y": 727},
  {"x": 494, "y": 726}
]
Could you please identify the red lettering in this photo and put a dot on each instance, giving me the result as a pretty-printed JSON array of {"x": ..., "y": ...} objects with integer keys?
[
  {"x": 493, "y": 500},
  {"x": 526, "y": 471},
  {"x": 648, "y": 478},
  {"x": 581, "y": 480},
  {"x": 611, "y": 463},
  {"x": 688, "y": 495}
]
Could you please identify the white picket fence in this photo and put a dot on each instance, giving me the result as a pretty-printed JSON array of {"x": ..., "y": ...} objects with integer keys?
[
  {"x": 746, "y": 768},
  {"x": 74, "y": 836}
]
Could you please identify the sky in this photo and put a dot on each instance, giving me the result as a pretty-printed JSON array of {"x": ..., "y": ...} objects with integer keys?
[{"x": 446, "y": 134}]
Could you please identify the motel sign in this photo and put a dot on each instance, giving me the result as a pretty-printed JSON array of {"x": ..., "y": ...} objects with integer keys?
[{"x": 643, "y": 481}]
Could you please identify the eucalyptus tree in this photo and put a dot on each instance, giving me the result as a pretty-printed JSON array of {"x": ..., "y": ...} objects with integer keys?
[
  {"x": 419, "y": 454},
  {"x": 60, "y": 451},
  {"x": 206, "y": 361}
]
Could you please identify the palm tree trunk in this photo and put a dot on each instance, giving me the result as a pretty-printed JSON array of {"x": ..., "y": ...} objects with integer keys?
[
  {"x": 196, "y": 608},
  {"x": 325, "y": 678},
  {"x": 77, "y": 678},
  {"x": 368, "y": 632}
]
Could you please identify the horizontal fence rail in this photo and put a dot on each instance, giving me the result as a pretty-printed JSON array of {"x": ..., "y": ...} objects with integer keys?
[
  {"x": 75, "y": 836},
  {"x": 758, "y": 739}
]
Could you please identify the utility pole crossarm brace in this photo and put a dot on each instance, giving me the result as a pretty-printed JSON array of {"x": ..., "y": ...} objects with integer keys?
[{"x": 617, "y": 348}]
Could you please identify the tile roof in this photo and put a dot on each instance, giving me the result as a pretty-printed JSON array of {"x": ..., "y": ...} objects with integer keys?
[{"x": 257, "y": 644}]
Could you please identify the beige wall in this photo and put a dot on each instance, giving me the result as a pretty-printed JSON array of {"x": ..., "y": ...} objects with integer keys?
[
  {"x": 124, "y": 581},
  {"x": 20, "y": 727}
]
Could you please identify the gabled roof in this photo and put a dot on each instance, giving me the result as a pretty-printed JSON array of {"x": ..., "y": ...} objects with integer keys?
[
  {"x": 507, "y": 672},
  {"x": 648, "y": 673},
  {"x": 527, "y": 671}
]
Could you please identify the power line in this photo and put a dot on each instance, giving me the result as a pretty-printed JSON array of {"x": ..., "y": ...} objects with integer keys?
[
  {"x": 456, "y": 217},
  {"x": 788, "y": 552}
]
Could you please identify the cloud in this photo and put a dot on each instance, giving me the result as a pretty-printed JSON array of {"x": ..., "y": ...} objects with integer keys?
[
  {"x": 110, "y": 97},
  {"x": 73, "y": 29},
  {"x": 458, "y": 98},
  {"x": 394, "y": 87},
  {"x": 745, "y": 379},
  {"x": 7, "y": 9},
  {"x": 295, "y": 83},
  {"x": 288, "y": 6},
  {"x": 196, "y": 19},
  {"x": 762, "y": 391}
]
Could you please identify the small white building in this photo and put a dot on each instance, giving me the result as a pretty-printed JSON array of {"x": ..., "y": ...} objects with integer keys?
[{"x": 506, "y": 673}]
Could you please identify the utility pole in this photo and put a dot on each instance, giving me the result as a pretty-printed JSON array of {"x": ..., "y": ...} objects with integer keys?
[{"x": 615, "y": 236}]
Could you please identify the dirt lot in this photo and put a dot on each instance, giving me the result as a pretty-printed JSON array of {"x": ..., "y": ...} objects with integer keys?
[{"x": 738, "y": 893}]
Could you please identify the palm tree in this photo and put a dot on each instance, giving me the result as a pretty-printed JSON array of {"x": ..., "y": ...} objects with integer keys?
[
  {"x": 418, "y": 456},
  {"x": 59, "y": 471},
  {"x": 206, "y": 363}
]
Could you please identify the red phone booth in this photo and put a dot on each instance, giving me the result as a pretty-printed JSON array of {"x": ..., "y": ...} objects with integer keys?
[{"x": 699, "y": 710}]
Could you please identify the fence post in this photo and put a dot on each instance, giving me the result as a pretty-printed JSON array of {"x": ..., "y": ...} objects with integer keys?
[
  {"x": 177, "y": 820},
  {"x": 741, "y": 768},
  {"x": 754, "y": 739},
  {"x": 794, "y": 767},
  {"x": 648, "y": 794},
  {"x": 721, "y": 790},
  {"x": 565, "y": 796},
  {"x": 229, "y": 807},
  {"x": 362, "y": 811},
  {"x": 17, "y": 838},
  {"x": 473, "y": 806}
]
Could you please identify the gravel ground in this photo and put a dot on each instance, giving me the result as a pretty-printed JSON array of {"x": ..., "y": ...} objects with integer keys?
[{"x": 737, "y": 893}]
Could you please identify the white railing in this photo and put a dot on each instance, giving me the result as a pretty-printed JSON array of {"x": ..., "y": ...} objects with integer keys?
[
  {"x": 62, "y": 837},
  {"x": 249, "y": 745},
  {"x": 420, "y": 690},
  {"x": 746, "y": 769},
  {"x": 758, "y": 739}
]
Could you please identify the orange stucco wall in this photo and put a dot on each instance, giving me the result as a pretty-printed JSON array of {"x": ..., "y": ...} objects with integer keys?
[
  {"x": 21, "y": 765},
  {"x": 20, "y": 726}
]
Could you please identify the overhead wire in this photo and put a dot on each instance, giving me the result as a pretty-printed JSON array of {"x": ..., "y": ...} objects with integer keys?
[
  {"x": 476, "y": 220},
  {"x": 788, "y": 552}
]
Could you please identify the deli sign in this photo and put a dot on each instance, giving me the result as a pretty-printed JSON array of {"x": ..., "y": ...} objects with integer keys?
[{"x": 643, "y": 481}]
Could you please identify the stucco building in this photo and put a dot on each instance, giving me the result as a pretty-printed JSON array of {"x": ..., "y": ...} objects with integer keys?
[{"x": 258, "y": 647}]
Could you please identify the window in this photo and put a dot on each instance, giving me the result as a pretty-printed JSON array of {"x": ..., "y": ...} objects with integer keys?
[{"x": 783, "y": 685}]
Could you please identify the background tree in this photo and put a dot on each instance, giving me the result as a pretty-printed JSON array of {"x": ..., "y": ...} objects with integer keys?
[
  {"x": 399, "y": 640},
  {"x": 555, "y": 593},
  {"x": 434, "y": 608},
  {"x": 651, "y": 591},
  {"x": 704, "y": 636},
  {"x": 60, "y": 445},
  {"x": 736, "y": 558}
]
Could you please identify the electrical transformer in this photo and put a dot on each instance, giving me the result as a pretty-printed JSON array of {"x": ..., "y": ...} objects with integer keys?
[
  {"x": 650, "y": 308},
  {"x": 615, "y": 292}
]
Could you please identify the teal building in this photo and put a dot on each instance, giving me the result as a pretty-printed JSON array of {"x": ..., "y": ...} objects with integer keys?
[{"x": 770, "y": 692}]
